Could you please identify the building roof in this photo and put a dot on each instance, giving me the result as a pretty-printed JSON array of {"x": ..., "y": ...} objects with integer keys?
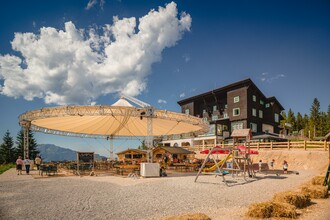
[
  {"x": 176, "y": 150},
  {"x": 273, "y": 99},
  {"x": 268, "y": 136},
  {"x": 241, "y": 133},
  {"x": 138, "y": 151},
  {"x": 246, "y": 82}
]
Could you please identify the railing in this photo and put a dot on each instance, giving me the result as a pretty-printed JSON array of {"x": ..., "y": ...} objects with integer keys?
[{"x": 306, "y": 145}]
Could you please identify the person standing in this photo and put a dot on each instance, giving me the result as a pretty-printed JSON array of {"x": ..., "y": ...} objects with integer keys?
[
  {"x": 27, "y": 165},
  {"x": 19, "y": 164},
  {"x": 272, "y": 164},
  {"x": 37, "y": 162},
  {"x": 285, "y": 166},
  {"x": 260, "y": 165}
]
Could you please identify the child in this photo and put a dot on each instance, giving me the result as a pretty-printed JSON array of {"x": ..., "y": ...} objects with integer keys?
[
  {"x": 285, "y": 166},
  {"x": 260, "y": 164},
  {"x": 272, "y": 164}
]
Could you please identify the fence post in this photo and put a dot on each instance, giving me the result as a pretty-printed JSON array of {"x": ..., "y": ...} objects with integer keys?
[
  {"x": 258, "y": 145},
  {"x": 271, "y": 145},
  {"x": 288, "y": 144},
  {"x": 325, "y": 145},
  {"x": 304, "y": 144}
]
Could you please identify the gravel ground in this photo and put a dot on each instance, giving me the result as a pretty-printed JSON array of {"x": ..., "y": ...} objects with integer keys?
[{"x": 109, "y": 197}]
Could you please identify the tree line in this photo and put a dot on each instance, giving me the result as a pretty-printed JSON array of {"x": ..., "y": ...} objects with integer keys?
[
  {"x": 316, "y": 124},
  {"x": 9, "y": 151}
]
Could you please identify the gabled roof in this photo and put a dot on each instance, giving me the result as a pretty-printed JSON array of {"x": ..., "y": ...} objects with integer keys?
[
  {"x": 241, "y": 133},
  {"x": 175, "y": 150},
  {"x": 273, "y": 99},
  {"x": 138, "y": 151},
  {"x": 242, "y": 83}
]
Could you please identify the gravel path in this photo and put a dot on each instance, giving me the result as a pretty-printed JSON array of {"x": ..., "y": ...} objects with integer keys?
[{"x": 113, "y": 198}]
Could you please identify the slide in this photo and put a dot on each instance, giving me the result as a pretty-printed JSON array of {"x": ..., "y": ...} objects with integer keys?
[{"x": 214, "y": 167}]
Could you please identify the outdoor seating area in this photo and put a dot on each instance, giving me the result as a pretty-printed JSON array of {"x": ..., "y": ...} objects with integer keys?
[{"x": 48, "y": 169}]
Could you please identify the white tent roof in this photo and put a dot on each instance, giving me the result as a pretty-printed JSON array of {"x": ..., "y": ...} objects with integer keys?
[{"x": 105, "y": 121}]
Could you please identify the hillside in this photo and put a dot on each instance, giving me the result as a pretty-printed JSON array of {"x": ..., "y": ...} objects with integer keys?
[{"x": 51, "y": 152}]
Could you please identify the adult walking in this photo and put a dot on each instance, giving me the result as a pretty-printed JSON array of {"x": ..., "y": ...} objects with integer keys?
[
  {"x": 27, "y": 165},
  {"x": 19, "y": 164},
  {"x": 37, "y": 162}
]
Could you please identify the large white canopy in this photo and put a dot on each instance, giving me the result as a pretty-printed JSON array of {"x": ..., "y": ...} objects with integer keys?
[{"x": 110, "y": 121}]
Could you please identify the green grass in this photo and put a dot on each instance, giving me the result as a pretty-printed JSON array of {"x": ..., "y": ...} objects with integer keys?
[{"x": 5, "y": 167}]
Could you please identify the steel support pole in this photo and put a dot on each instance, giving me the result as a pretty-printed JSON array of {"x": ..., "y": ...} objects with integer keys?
[{"x": 26, "y": 127}]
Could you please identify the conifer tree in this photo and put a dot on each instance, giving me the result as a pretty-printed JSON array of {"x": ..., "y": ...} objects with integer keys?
[
  {"x": 314, "y": 118},
  {"x": 299, "y": 122},
  {"x": 291, "y": 120},
  {"x": 33, "y": 151},
  {"x": 7, "y": 149}
]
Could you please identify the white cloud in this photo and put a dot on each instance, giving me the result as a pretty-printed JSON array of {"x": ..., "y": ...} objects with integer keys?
[
  {"x": 182, "y": 95},
  {"x": 76, "y": 66},
  {"x": 92, "y": 3},
  {"x": 266, "y": 77},
  {"x": 161, "y": 101},
  {"x": 186, "y": 57}
]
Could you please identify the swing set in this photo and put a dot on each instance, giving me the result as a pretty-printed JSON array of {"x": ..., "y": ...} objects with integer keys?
[{"x": 237, "y": 160}]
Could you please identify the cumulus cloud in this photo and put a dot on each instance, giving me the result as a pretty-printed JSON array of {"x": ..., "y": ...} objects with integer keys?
[
  {"x": 267, "y": 77},
  {"x": 161, "y": 101},
  {"x": 76, "y": 66},
  {"x": 182, "y": 95}
]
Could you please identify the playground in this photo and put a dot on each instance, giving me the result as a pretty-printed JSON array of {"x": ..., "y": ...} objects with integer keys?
[{"x": 112, "y": 197}]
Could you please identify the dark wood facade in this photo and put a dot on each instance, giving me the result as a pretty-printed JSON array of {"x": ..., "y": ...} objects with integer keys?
[{"x": 236, "y": 106}]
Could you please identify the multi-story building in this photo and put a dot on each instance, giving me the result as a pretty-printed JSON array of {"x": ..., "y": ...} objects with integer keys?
[{"x": 236, "y": 106}]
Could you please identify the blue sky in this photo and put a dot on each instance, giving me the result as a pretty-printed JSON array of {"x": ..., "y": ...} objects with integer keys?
[{"x": 58, "y": 55}]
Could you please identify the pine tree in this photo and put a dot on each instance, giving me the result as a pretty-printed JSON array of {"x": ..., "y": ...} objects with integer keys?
[
  {"x": 33, "y": 151},
  {"x": 328, "y": 120},
  {"x": 291, "y": 120},
  {"x": 299, "y": 122},
  {"x": 306, "y": 125},
  {"x": 323, "y": 124},
  {"x": 314, "y": 118},
  {"x": 7, "y": 149}
]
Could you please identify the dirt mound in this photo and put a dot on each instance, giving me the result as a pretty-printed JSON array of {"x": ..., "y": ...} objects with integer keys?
[{"x": 297, "y": 159}]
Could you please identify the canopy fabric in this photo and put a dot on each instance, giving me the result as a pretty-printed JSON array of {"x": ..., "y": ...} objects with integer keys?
[{"x": 110, "y": 121}]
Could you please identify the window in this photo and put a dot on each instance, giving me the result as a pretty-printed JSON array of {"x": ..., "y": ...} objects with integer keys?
[
  {"x": 137, "y": 156},
  {"x": 186, "y": 111},
  {"x": 267, "y": 105},
  {"x": 254, "y": 127},
  {"x": 226, "y": 106},
  {"x": 236, "y": 125},
  {"x": 236, "y": 99},
  {"x": 261, "y": 102},
  {"x": 277, "y": 117},
  {"x": 254, "y": 98},
  {"x": 214, "y": 108},
  {"x": 225, "y": 115},
  {"x": 236, "y": 112},
  {"x": 261, "y": 114},
  {"x": 254, "y": 112}
]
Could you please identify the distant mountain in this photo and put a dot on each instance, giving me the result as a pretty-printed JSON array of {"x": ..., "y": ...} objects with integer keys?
[{"x": 51, "y": 152}]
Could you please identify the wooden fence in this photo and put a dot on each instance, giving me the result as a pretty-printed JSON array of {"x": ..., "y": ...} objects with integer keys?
[{"x": 306, "y": 145}]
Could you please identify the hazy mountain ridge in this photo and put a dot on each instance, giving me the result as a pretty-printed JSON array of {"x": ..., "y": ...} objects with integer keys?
[{"x": 51, "y": 152}]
